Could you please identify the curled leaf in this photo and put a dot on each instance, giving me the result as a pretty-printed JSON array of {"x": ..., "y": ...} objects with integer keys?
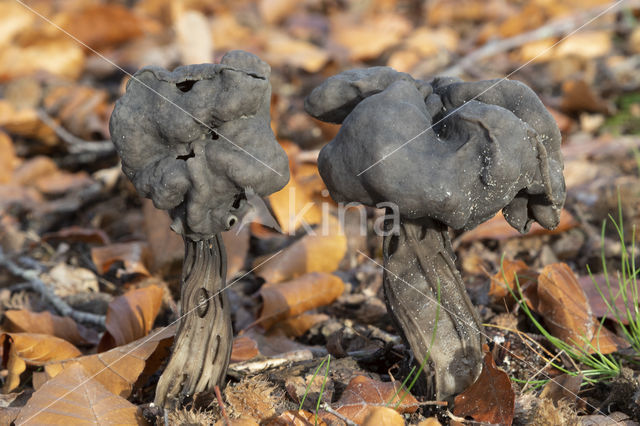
[
  {"x": 490, "y": 398},
  {"x": 131, "y": 316},
  {"x": 24, "y": 321},
  {"x": 289, "y": 299}
]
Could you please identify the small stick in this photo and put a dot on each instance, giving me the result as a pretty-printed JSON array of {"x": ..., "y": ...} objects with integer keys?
[
  {"x": 553, "y": 29},
  {"x": 75, "y": 144},
  {"x": 330, "y": 410},
  {"x": 221, "y": 405},
  {"x": 39, "y": 286}
]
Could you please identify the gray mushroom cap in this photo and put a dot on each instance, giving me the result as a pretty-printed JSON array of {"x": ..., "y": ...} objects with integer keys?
[
  {"x": 452, "y": 151},
  {"x": 162, "y": 130}
]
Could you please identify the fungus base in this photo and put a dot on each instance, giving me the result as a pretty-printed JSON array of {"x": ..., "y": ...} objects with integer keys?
[
  {"x": 417, "y": 261},
  {"x": 203, "y": 342}
]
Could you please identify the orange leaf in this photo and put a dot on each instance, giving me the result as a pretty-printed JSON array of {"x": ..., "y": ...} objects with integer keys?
[
  {"x": 312, "y": 253},
  {"x": 295, "y": 418},
  {"x": 23, "y": 321},
  {"x": 363, "y": 394},
  {"x": 566, "y": 310},
  {"x": 244, "y": 348},
  {"x": 73, "y": 398},
  {"x": 298, "y": 325},
  {"x": 119, "y": 368},
  {"x": 490, "y": 398},
  {"x": 285, "y": 300},
  {"x": 8, "y": 160},
  {"x": 22, "y": 349},
  {"x": 131, "y": 316},
  {"x": 134, "y": 256},
  {"x": 293, "y": 205},
  {"x": 383, "y": 416},
  {"x": 498, "y": 289},
  {"x": 497, "y": 228}
]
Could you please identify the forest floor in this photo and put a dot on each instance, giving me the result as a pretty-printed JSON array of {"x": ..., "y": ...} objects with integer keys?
[{"x": 90, "y": 272}]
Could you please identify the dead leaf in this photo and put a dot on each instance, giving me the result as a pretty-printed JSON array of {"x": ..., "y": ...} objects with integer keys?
[
  {"x": 273, "y": 11},
  {"x": 244, "y": 348},
  {"x": 294, "y": 205},
  {"x": 119, "y": 368},
  {"x": 102, "y": 25},
  {"x": 368, "y": 40},
  {"x": 597, "y": 303},
  {"x": 291, "y": 298},
  {"x": 8, "y": 159},
  {"x": 134, "y": 256},
  {"x": 167, "y": 247},
  {"x": 295, "y": 418},
  {"x": 72, "y": 397},
  {"x": 131, "y": 316},
  {"x": 497, "y": 228},
  {"x": 236, "y": 244},
  {"x": 193, "y": 34},
  {"x": 321, "y": 252},
  {"x": 499, "y": 289},
  {"x": 62, "y": 57},
  {"x": 77, "y": 234},
  {"x": 299, "y": 325},
  {"x": 67, "y": 280},
  {"x": 585, "y": 44},
  {"x": 566, "y": 311},
  {"x": 564, "y": 386},
  {"x": 283, "y": 50},
  {"x": 23, "y": 321},
  {"x": 579, "y": 96},
  {"x": 383, "y": 416},
  {"x": 490, "y": 398},
  {"x": 431, "y": 421},
  {"x": 22, "y": 349},
  {"x": 61, "y": 182},
  {"x": 363, "y": 394},
  {"x": 33, "y": 169}
]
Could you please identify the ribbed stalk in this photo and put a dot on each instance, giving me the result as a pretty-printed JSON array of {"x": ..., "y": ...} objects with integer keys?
[
  {"x": 202, "y": 347},
  {"x": 418, "y": 260}
]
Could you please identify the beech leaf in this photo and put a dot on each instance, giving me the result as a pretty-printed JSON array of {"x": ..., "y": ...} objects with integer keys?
[{"x": 24, "y": 321}]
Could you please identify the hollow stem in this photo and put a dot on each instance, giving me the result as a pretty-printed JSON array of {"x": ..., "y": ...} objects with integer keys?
[
  {"x": 417, "y": 261},
  {"x": 203, "y": 341}
]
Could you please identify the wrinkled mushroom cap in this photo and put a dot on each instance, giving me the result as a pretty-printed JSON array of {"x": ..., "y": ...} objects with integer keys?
[
  {"x": 452, "y": 151},
  {"x": 162, "y": 126}
]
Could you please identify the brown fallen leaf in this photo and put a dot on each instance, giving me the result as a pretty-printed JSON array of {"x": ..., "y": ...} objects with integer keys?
[
  {"x": 134, "y": 256},
  {"x": 383, "y": 416},
  {"x": 61, "y": 56},
  {"x": 598, "y": 305},
  {"x": 78, "y": 234},
  {"x": 33, "y": 169},
  {"x": 298, "y": 325},
  {"x": 119, "y": 368},
  {"x": 131, "y": 316},
  {"x": 22, "y": 349},
  {"x": 321, "y": 252},
  {"x": 527, "y": 279},
  {"x": 295, "y": 418},
  {"x": 23, "y": 321},
  {"x": 291, "y": 298},
  {"x": 363, "y": 394},
  {"x": 490, "y": 398},
  {"x": 563, "y": 386},
  {"x": 566, "y": 311},
  {"x": 282, "y": 50},
  {"x": 74, "y": 398},
  {"x": 8, "y": 159},
  {"x": 244, "y": 348},
  {"x": 293, "y": 205},
  {"x": 368, "y": 40},
  {"x": 579, "y": 96},
  {"x": 236, "y": 243},
  {"x": 166, "y": 247},
  {"x": 497, "y": 228},
  {"x": 102, "y": 25}
]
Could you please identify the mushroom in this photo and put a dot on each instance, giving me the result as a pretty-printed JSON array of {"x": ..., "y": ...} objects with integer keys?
[
  {"x": 446, "y": 154},
  {"x": 196, "y": 141}
]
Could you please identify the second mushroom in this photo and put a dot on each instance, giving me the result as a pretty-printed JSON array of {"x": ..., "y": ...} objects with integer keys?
[{"x": 447, "y": 154}]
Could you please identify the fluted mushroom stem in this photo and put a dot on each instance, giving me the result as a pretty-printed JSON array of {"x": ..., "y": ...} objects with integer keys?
[
  {"x": 417, "y": 261},
  {"x": 203, "y": 342}
]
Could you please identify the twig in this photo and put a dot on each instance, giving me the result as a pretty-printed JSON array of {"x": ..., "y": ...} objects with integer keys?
[
  {"x": 75, "y": 144},
  {"x": 330, "y": 410},
  {"x": 267, "y": 364},
  {"x": 39, "y": 286},
  {"x": 221, "y": 404},
  {"x": 554, "y": 29}
]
